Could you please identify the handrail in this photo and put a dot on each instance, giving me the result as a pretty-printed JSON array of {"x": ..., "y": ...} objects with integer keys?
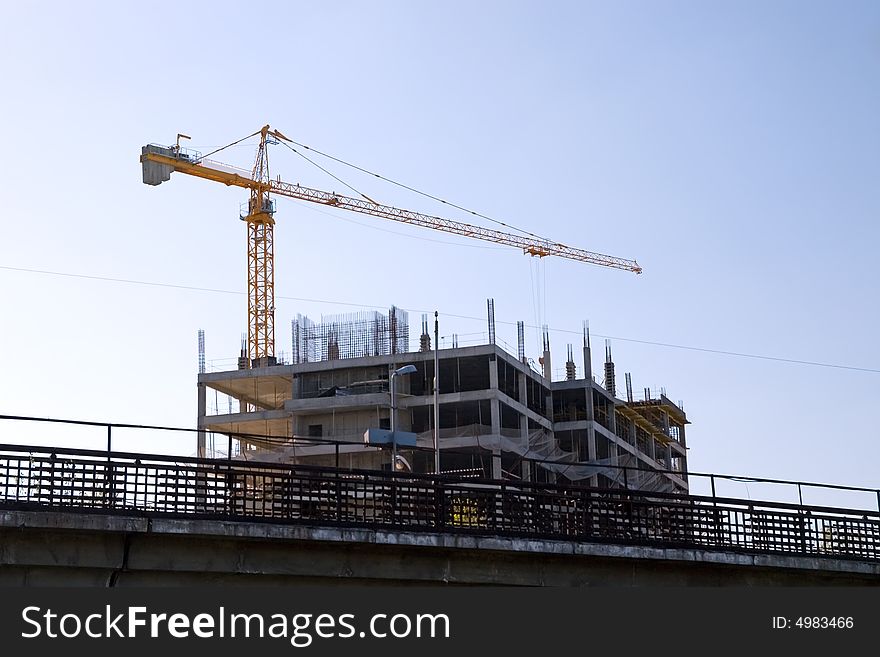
[
  {"x": 303, "y": 440},
  {"x": 45, "y": 478}
]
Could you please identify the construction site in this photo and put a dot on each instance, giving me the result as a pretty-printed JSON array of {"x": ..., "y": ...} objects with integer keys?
[
  {"x": 357, "y": 393},
  {"x": 499, "y": 417},
  {"x": 370, "y": 446}
]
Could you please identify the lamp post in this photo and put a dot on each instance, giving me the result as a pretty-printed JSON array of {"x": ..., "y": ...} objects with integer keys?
[
  {"x": 436, "y": 393},
  {"x": 406, "y": 369}
]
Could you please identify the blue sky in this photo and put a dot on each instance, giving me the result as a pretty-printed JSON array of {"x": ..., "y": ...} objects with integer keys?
[{"x": 731, "y": 148}]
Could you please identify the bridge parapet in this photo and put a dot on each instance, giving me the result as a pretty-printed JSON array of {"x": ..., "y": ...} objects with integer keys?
[{"x": 162, "y": 487}]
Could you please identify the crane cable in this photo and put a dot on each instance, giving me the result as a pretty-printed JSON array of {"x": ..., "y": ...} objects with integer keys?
[
  {"x": 336, "y": 178},
  {"x": 217, "y": 150},
  {"x": 654, "y": 343},
  {"x": 412, "y": 189},
  {"x": 287, "y": 142}
]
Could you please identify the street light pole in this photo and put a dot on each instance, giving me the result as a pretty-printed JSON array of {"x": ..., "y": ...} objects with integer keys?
[
  {"x": 436, "y": 394},
  {"x": 393, "y": 424},
  {"x": 406, "y": 369}
]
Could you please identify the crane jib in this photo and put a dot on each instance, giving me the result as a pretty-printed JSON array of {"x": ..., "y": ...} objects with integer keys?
[{"x": 160, "y": 161}]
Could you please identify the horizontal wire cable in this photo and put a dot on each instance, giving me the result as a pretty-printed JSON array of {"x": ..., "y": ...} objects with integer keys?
[{"x": 653, "y": 343}]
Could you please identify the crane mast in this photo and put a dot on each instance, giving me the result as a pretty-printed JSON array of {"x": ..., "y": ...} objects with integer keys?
[
  {"x": 160, "y": 161},
  {"x": 261, "y": 262}
]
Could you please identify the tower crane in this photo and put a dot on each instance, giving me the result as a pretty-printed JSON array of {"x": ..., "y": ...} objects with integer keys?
[{"x": 160, "y": 161}]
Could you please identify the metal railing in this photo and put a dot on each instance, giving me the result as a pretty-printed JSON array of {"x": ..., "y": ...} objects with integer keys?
[
  {"x": 39, "y": 478},
  {"x": 130, "y": 438}
]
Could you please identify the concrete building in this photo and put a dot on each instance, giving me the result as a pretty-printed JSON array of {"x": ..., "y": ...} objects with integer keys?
[{"x": 498, "y": 416}]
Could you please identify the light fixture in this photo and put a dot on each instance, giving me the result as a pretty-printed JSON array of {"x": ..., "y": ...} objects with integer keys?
[
  {"x": 401, "y": 464},
  {"x": 395, "y": 464}
]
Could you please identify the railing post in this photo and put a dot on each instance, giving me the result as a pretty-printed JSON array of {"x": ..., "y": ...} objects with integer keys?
[
  {"x": 230, "y": 492},
  {"x": 393, "y": 496},
  {"x": 878, "y": 500},
  {"x": 439, "y": 511},
  {"x": 110, "y": 479},
  {"x": 625, "y": 482},
  {"x": 716, "y": 516},
  {"x": 805, "y": 528},
  {"x": 339, "y": 515},
  {"x": 800, "y": 495},
  {"x": 500, "y": 502},
  {"x": 52, "y": 480}
]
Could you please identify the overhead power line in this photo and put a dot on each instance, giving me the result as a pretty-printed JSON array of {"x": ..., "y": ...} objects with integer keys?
[{"x": 653, "y": 343}]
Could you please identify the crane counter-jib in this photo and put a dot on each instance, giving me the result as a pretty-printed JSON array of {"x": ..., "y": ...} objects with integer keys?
[{"x": 160, "y": 162}]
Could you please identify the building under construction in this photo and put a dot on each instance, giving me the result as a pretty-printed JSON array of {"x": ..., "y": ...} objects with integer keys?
[
  {"x": 499, "y": 417},
  {"x": 476, "y": 409}
]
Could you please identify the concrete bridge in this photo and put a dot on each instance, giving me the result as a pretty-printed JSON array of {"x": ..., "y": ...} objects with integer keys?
[
  {"x": 79, "y": 517},
  {"x": 62, "y": 548}
]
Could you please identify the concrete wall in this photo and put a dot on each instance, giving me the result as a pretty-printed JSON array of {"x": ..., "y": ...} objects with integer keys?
[
  {"x": 40, "y": 548},
  {"x": 349, "y": 425}
]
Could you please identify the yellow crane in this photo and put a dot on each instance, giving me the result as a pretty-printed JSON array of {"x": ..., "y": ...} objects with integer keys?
[{"x": 160, "y": 161}]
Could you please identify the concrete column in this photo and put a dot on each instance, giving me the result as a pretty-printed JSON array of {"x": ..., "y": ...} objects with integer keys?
[
  {"x": 548, "y": 410},
  {"x": 202, "y": 406},
  {"x": 591, "y": 414},
  {"x": 683, "y": 459},
  {"x": 614, "y": 455},
  {"x": 588, "y": 364},
  {"x": 592, "y": 456},
  {"x": 612, "y": 418},
  {"x": 588, "y": 375},
  {"x": 665, "y": 417},
  {"x": 524, "y": 424},
  {"x": 592, "y": 451},
  {"x": 495, "y": 407},
  {"x": 201, "y": 447},
  {"x": 635, "y": 444},
  {"x": 524, "y": 442}
]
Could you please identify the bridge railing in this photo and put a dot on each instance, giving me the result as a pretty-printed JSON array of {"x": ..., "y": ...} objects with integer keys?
[
  {"x": 116, "y": 437},
  {"x": 45, "y": 478}
]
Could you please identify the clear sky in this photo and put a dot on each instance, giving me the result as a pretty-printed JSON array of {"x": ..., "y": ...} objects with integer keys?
[{"x": 732, "y": 148}]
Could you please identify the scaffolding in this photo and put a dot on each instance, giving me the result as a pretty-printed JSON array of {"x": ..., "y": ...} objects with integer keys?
[{"x": 351, "y": 335}]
